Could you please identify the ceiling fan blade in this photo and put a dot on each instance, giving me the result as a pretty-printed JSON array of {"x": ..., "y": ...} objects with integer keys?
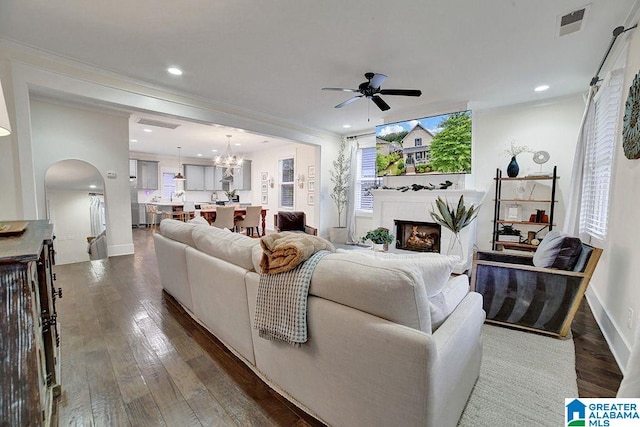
[
  {"x": 348, "y": 101},
  {"x": 403, "y": 92},
  {"x": 377, "y": 80},
  {"x": 380, "y": 103},
  {"x": 341, "y": 89}
]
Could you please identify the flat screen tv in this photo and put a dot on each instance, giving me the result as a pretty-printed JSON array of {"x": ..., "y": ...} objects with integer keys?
[{"x": 431, "y": 145}]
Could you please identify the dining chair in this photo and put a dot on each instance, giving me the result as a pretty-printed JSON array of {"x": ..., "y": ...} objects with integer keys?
[
  {"x": 251, "y": 220},
  {"x": 224, "y": 217}
]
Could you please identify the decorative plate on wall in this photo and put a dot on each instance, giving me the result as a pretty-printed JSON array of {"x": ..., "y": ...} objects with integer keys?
[{"x": 631, "y": 122}]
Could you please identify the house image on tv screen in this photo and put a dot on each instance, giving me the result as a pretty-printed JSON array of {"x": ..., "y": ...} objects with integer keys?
[{"x": 431, "y": 145}]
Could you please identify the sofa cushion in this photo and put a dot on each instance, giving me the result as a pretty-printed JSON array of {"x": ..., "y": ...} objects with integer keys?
[
  {"x": 198, "y": 220},
  {"x": 393, "y": 287},
  {"x": 444, "y": 302},
  {"x": 558, "y": 250},
  {"x": 291, "y": 221},
  {"x": 177, "y": 230},
  {"x": 231, "y": 247},
  {"x": 585, "y": 254}
]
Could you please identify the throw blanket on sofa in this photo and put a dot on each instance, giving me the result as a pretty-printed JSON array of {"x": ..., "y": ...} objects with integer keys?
[
  {"x": 282, "y": 252},
  {"x": 281, "y": 304}
]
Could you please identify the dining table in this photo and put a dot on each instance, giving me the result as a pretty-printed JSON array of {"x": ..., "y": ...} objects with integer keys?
[{"x": 209, "y": 213}]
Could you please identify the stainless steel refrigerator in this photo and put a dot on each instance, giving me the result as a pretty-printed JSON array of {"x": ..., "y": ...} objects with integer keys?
[{"x": 135, "y": 208}]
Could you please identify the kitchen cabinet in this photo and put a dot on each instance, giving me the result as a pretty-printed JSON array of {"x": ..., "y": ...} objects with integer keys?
[
  {"x": 133, "y": 168},
  {"x": 202, "y": 178},
  {"x": 147, "y": 175},
  {"x": 210, "y": 179},
  {"x": 30, "y": 364},
  {"x": 218, "y": 174},
  {"x": 194, "y": 177},
  {"x": 242, "y": 177}
]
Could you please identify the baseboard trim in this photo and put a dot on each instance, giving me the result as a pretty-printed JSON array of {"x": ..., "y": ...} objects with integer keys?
[
  {"x": 617, "y": 344},
  {"x": 117, "y": 250}
]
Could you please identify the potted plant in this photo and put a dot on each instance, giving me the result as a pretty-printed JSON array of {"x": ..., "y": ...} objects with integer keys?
[
  {"x": 508, "y": 234},
  {"x": 380, "y": 237},
  {"x": 340, "y": 179},
  {"x": 455, "y": 219},
  {"x": 230, "y": 194}
]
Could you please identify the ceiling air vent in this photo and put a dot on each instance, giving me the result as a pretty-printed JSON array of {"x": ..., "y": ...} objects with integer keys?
[
  {"x": 158, "y": 123},
  {"x": 572, "y": 22}
]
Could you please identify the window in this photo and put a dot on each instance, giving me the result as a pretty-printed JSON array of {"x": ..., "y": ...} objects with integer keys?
[
  {"x": 418, "y": 142},
  {"x": 601, "y": 129},
  {"x": 286, "y": 183},
  {"x": 366, "y": 165},
  {"x": 168, "y": 185}
]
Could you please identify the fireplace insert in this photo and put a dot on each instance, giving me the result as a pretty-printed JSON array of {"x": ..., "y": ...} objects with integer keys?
[{"x": 418, "y": 236}]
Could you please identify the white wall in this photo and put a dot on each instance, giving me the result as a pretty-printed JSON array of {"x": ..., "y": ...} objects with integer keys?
[
  {"x": 69, "y": 213},
  {"x": 267, "y": 160},
  {"x": 614, "y": 287},
  {"x": 61, "y": 132},
  {"x": 550, "y": 126}
]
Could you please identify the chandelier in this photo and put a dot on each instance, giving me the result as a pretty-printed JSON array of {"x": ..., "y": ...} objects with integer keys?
[{"x": 228, "y": 161}]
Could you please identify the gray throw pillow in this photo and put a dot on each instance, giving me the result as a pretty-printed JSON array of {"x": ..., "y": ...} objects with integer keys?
[{"x": 558, "y": 250}]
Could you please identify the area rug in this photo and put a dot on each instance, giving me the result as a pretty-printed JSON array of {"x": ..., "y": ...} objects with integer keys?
[{"x": 524, "y": 380}]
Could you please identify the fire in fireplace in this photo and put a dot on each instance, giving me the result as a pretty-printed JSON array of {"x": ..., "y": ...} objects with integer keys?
[{"x": 417, "y": 236}]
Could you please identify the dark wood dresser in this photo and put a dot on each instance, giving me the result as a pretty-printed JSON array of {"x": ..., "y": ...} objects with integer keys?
[{"x": 29, "y": 341}]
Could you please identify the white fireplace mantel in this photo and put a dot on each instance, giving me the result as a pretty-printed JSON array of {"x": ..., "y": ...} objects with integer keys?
[{"x": 389, "y": 205}]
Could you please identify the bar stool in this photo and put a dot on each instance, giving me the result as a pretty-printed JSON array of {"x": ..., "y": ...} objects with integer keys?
[{"x": 153, "y": 212}]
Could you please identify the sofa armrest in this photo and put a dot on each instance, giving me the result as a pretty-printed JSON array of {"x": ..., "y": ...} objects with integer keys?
[
  {"x": 457, "y": 365},
  {"x": 310, "y": 230}
]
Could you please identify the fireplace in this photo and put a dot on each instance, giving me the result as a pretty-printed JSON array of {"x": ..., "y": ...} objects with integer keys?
[{"x": 417, "y": 236}]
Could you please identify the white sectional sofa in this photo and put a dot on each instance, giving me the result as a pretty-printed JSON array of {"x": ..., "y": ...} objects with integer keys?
[{"x": 393, "y": 340}]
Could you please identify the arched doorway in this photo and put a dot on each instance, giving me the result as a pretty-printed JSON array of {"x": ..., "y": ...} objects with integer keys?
[{"x": 74, "y": 192}]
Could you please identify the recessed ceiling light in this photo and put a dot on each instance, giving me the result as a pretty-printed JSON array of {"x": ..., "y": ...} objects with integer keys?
[
  {"x": 92, "y": 186},
  {"x": 346, "y": 126},
  {"x": 175, "y": 71},
  {"x": 133, "y": 140},
  {"x": 199, "y": 154},
  {"x": 541, "y": 88},
  {"x": 240, "y": 130},
  {"x": 237, "y": 144},
  {"x": 214, "y": 151},
  {"x": 147, "y": 130}
]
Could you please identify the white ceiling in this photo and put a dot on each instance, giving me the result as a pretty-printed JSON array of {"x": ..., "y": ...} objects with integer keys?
[{"x": 273, "y": 58}]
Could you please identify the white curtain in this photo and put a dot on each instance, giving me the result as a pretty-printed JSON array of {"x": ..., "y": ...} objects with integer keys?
[
  {"x": 572, "y": 221},
  {"x": 95, "y": 213},
  {"x": 352, "y": 153}
]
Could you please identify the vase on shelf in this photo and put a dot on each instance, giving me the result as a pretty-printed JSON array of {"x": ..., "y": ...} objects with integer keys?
[
  {"x": 513, "y": 169},
  {"x": 455, "y": 246}
]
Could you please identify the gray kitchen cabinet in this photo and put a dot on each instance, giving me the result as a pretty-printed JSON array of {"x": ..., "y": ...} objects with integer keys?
[
  {"x": 242, "y": 177},
  {"x": 147, "y": 175},
  {"x": 209, "y": 178},
  {"x": 133, "y": 168},
  {"x": 194, "y": 175},
  {"x": 218, "y": 174}
]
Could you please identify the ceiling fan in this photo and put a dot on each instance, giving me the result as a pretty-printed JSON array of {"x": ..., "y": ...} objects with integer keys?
[{"x": 370, "y": 90}]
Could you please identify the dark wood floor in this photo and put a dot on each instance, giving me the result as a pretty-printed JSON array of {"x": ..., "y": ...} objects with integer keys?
[{"x": 131, "y": 356}]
